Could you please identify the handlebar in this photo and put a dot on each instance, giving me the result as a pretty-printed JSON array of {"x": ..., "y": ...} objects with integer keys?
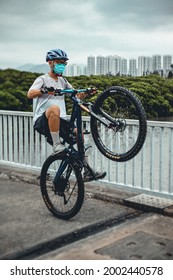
[{"x": 72, "y": 92}]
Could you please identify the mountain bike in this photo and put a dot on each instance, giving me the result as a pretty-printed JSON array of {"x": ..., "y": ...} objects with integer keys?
[{"x": 118, "y": 127}]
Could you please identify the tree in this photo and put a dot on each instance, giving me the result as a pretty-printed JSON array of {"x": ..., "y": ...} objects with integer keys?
[
  {"x": 8, "y": 102},
  {"x": 154, "y": 91}
]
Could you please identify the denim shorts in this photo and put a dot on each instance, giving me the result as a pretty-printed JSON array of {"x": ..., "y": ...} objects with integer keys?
[{"x": 41, "y": 126}]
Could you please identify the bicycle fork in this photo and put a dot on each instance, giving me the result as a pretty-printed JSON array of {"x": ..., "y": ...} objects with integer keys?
[{"x": 90, "y": 112}]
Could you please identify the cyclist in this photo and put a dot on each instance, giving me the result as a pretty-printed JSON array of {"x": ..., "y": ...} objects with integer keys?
[{"x": 50, "y": 110}]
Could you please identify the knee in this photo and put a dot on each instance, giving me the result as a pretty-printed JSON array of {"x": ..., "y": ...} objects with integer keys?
[{"x": 53, "y": 111}]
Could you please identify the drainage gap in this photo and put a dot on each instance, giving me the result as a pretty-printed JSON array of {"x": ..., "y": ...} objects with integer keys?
[{"x": 54, "y": 244}]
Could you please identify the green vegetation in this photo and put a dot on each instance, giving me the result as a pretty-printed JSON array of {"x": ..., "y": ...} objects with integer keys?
[{"x": 155, "y": 92}]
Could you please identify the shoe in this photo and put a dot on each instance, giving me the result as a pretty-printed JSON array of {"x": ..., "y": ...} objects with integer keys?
[
  {"x": 88, "y": 177},
  {"x": 58, "y": 148}
]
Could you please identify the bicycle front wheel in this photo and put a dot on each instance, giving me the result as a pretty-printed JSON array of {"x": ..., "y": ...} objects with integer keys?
[
  {"x": 121, "y": 131},
  {"x": 62, "y": 186}
]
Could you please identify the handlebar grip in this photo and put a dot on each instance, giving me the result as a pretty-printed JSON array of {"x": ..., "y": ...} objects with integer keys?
[{"x": 46, "y": 90}]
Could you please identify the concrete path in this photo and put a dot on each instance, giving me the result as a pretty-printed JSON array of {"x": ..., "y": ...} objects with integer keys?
[
  {"x": 104, "y": 229},
  {"x": 26, "y": 223}
]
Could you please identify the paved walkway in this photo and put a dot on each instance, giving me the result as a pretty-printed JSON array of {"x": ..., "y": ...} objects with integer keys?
[{"x": 104, "y": 229}]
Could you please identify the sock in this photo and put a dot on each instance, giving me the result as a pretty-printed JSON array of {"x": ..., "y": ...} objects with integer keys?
[{"x": 55, "y": 137}]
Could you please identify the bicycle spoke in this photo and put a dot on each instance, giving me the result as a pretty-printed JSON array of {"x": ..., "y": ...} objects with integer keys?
[
  {"x": 64, "y": 194},
  {"x": 125, "y": 132}
]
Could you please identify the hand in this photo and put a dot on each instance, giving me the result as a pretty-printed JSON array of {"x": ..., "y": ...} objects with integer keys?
[
  {"x": 47, "y": 90},
  {"x": 91, "y": 91},
  {"x": 81, "y": 95}
]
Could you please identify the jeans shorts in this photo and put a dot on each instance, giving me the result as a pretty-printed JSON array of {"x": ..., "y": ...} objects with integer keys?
[{"x": 41, "y": 126}]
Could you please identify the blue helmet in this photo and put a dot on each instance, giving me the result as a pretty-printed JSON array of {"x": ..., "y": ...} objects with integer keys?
[{"x": 56, "y": 54}]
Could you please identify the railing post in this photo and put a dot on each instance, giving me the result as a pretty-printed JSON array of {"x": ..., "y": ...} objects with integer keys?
[{"x": 171, "y": 162}]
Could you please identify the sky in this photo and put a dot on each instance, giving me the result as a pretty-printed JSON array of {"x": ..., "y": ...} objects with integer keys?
[{"x": 127, "y": 28}]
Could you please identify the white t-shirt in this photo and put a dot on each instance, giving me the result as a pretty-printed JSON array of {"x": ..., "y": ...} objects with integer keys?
[{"x": 43, "y": 102}]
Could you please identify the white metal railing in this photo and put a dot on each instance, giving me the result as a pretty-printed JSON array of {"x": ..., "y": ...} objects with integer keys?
[{"x": 151, "y": 170}]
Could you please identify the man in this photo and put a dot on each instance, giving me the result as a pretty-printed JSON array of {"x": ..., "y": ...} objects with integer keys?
[{"x": 50, "y": 110}]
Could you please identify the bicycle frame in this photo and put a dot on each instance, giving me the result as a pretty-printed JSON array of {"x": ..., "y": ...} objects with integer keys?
[
  {"x": 76, "y": 115},
  {"x": 79, "y": 154},
  {"x": 71, "y": 152},
  {"x": 78, "y": 106}
]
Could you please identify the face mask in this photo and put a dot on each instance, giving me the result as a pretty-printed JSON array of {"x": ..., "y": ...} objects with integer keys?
[{"x": 59, "y": 68}]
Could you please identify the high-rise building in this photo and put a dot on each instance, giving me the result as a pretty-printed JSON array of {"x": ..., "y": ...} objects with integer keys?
[
  {"x": 75, "y": 70},
  {"x": 71, "y": 70},
  {"x": 82, "y": 70},
  {"x": 117, "y": 64},
  {"x": 101, "y": 65},
  {"x": 123, "y": 70},
  {"x": 132, "y": 67},
  {"x": 110, "y": 65},
  {"x": 156, "y": 61},
  {"x": 144, "y": 65},
  {"x": 91, "y": 65},
  {"x": 167, "y": 61}
]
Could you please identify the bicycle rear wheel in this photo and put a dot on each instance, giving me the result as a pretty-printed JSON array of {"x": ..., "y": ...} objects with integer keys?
[
  {"x": 123, "y": 133},
  {"x": 63, "y": 193}
]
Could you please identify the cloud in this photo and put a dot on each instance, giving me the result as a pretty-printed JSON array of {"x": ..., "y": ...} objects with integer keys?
[
  {"x": 30, "y": 28},
  {"x": 141, "y": 14}
]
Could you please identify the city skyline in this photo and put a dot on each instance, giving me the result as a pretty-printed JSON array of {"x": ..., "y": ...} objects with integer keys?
[{"x": 98, "y": 65}]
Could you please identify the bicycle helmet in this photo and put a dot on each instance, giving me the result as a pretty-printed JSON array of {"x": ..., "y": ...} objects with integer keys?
[{"x": 56, "y": 54}]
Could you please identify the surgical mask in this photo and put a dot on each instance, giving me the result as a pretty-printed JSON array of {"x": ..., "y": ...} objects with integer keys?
[{"x": 59, "y": 68}]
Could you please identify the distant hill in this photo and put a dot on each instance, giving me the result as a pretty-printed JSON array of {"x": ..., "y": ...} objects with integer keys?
[{"x": 40, "y": 68}]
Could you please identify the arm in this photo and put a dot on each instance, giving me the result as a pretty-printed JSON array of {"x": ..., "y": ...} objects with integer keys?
[
  {"x": 35, "y": 89},
  {"x": 34, "y": 93}
]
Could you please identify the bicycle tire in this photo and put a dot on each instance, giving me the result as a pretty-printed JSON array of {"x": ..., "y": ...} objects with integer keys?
[
  {"x": 119, "y": 105},
  {"x": 66, "y": 203}
]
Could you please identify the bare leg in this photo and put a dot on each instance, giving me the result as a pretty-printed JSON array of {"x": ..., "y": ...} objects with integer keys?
[{"x": 53, "y": 116}]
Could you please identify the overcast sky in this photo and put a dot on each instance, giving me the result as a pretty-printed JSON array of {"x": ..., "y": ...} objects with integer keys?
[{"x": 128, "y": 28}]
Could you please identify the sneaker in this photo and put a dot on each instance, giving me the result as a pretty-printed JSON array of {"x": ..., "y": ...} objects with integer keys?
[
  {"x": 88, "y": 177},
  {"x": 58, "y": 148}
]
